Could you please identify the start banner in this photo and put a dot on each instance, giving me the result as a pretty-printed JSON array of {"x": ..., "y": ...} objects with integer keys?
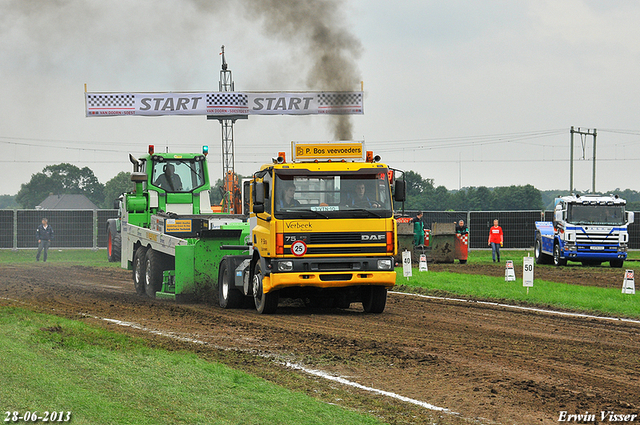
[{"x": 222, "y": 104}]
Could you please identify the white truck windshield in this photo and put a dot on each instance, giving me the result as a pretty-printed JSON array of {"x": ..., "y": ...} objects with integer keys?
[{"x": 596, "y": 214}]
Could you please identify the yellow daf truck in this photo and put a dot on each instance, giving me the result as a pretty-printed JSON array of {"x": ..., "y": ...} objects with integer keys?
[{"x": 322, "y": 229}]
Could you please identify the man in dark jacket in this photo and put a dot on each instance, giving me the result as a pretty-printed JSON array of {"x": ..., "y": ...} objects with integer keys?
[
  {"x": 44, "y": 234},
  {"x": 461, "y": 228}
]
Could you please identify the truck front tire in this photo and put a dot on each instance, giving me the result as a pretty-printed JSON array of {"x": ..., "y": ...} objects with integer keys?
[
  {"x": 139, "y": 271},
  {"x": 616, "y": 263},
  {"x": 374, "y": 299},
  {"x": 265, "y": 303},
  {"x": 556, "y": 256}
]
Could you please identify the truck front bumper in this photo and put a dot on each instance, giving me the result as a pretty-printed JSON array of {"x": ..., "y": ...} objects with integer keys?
[
  {"x": 593, "y": 255},
  {"x": 329, "y": 273}
]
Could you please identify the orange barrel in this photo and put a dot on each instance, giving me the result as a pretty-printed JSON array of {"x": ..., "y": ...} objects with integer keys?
[{"x": 461, "y": 247}]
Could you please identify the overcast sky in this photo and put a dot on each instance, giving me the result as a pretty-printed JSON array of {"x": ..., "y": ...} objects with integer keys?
[{"x": 466, "y": 93}]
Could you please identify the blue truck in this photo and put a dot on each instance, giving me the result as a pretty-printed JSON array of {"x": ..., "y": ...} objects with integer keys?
[{"x": 590, "y": 229}]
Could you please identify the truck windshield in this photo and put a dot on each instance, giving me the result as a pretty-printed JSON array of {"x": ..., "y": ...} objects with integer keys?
[
  {"x": 182, "y": 175},
  {"x": 596, "y": 214},
  {"x": 339, "y": 196}
]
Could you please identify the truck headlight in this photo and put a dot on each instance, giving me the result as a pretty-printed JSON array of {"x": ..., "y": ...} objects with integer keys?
[
  {"x": 386, "y": 264},
  {"x": 285, "y": 266}
]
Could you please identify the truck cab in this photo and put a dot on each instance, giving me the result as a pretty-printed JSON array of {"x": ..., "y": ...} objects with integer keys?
[
  {"x": 322, "y": 227},
  {"x": 591, "y": 229}
]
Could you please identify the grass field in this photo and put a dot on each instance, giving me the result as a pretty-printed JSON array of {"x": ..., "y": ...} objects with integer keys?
[
  {"x": 587, "y": 299},
  {"x": 85, "y": 257},
  {"x": 51, "y": 364}
]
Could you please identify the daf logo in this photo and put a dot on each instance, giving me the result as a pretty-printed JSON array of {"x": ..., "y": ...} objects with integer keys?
[{"x": 373, "y": 237}]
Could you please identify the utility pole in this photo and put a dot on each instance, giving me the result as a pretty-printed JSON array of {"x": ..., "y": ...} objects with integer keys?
[{"x": 583, "y": 133}]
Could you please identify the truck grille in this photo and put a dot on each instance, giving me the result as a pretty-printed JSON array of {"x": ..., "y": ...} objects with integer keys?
[
  {"x": 597, "y": 238},
  {"x": 336, "y": 238},
  {"x": 359, "y": 242},
  {"x": 347, "y": 250}
]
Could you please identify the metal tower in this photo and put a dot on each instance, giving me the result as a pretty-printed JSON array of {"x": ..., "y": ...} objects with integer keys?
[{"x": 231, "y": 196}]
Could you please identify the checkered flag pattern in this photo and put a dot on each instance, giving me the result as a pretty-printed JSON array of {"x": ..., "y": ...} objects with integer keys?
[
  {"x": 110, "y": 100},
  {"x": 339, "y": 99},
  {"x": 227, "y": 99},
  {"x": 464, "y": 238}
]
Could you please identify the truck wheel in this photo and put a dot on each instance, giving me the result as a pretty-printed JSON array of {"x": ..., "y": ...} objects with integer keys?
[
  {"x": 556, "y": 256},
  {"x": 616, "y": 263},
  {"x": 541, "y": 257},
  {"x": 114, "y": 245},
  {"x": 265, "y": 303},
  {"x": 139, "y": 272},
  {"x": 374, "y": 299},
  {"x": 153, "y": 273},
  {"x": 228, "y": 297}
]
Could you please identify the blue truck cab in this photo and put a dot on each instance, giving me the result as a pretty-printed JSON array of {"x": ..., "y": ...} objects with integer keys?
[{"x": 590, "y": 229}]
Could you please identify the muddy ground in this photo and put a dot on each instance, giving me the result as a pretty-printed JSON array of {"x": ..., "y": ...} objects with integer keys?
[{"x": 484, "y": 363}]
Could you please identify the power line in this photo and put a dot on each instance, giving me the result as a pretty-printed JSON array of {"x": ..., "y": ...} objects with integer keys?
[
  {"x": 502, "y": 161},
  {"x": 478, "y": 138},
  {"x": 254, "y": 150},
  {"x": 461, "y": 142}
]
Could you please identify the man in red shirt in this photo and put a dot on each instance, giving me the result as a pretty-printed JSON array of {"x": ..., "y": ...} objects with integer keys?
[{"x": 496, "y": 238}]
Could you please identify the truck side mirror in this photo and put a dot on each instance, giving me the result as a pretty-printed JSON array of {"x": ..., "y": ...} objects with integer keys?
[
  {"x": 557, "y": 215},
  {"x": 258, "y": 197},
  {"x": 630, "y": 216},
  {"x": 399, "y": 191}
]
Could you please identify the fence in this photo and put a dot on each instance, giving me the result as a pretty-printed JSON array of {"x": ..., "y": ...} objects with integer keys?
[
  {"x": 86, "y": 228},
  {"x": 518, "y": 226},
  {"x": 72, "y": 228}
]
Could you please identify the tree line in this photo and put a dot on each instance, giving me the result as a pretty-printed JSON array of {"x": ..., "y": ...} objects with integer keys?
[{"x": 422, "y": 194}]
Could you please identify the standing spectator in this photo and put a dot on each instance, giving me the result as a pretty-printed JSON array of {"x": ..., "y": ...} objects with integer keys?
[
  {"x": 496, "y": 238},
  {"x": 44, "y": 233},
  {"x": 418, "y": 230},
  {"x": 460, "y": 227}
]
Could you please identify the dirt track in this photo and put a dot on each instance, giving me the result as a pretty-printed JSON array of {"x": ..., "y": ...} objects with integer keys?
[{"x": 487, "y": 363}]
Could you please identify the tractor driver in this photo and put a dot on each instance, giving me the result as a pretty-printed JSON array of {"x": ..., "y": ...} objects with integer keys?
[{"x": 169, "y": 180}]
